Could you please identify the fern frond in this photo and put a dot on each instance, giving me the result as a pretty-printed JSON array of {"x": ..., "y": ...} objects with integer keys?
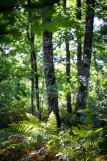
[
  {"x": 33, "y": 119},
  {"x": 52, "y": 123},
  {"x": 20, "y": 127},
  {"x": 26, "y": 125}
]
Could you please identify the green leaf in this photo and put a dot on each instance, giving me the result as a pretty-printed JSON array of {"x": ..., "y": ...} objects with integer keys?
[{"x": 52, "y": 124}]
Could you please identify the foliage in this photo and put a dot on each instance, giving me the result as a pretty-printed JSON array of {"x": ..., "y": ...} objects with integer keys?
[
  {"x": 35, "y": 131},
  {"x": 79, "y": 143},
  {"x": 52, "y": 124},
  {"x": 27, "y": 134}
]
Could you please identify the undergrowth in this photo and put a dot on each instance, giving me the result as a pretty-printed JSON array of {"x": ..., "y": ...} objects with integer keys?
[{"x": 35, "y": 140}]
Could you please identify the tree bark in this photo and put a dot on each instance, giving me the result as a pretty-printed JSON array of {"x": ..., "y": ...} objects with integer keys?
[
  {"x": 32, "y": 86},
  {"x": 35, "y": 80},
  {"x": 52, "y": 91},
  {"x": 79, "y": 43},
  {"x": 68, "y": 76},
  {"x": 34, "y": 73},
  {"x": 87, "y": 52},
  {"x": 79, "y": 52}
]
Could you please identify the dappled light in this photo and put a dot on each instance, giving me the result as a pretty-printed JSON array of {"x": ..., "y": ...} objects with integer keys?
[{"x": 53, "y": 80}]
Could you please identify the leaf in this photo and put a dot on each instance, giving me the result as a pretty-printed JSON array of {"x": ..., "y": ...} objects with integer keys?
[
  {"x": 52, "y": 123},
  {"x": 81, "y": 132},
  {"x": 39, "y": 139}
]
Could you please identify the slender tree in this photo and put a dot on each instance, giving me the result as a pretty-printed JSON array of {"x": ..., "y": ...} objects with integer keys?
[
  {"x": 79, "y": 43},
  {"x": 52, "y": 92},
  {"x": 68, "y": 76},
  {"x": 34, "y": 75},
  {"x": 87, "y": 52},
  {"x": 79, "y": 49}
]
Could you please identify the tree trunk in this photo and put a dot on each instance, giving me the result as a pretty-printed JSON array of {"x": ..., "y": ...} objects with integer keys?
[
  {"x": 87, "y": 52},
  {"x": 34, "y": 74},
  {"x": 79, "y": 43},
  {"x": 68, "y": 76},
  {"x": 32, "y": 86},
  {"x": 52, "y": 92},
  {"x": 35, "y": 82},
  {"x": 79, "y": 51}
]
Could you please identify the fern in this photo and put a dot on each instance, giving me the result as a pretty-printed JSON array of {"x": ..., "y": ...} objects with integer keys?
[
  {"x": 33, "y": 124},
  {"x": 33, "y": 131},
  {"x": 22, "y": 127},
  {"x": 34, "y": 120},
  {"x": 52, "y": 124},
  {"x": 26, "y": 125}
]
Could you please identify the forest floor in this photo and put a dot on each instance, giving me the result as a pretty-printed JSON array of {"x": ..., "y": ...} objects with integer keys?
[{"x": 36, "y": 155}]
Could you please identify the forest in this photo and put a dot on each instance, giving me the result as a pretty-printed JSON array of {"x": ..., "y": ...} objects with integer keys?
[{"x": 53, "y": 80}]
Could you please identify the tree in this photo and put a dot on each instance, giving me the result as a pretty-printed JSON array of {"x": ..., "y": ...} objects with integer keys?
[
  {"x": 68, "y": 75},
  {"x": 33, "y": 58},
  {"x": 52, "y": 91},
  {"x": 79, "y": 42},
  {"x": 87, "y": 53}
]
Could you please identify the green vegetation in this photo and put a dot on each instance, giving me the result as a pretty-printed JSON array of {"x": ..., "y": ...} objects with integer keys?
[{"x": 53, "y": 80}]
